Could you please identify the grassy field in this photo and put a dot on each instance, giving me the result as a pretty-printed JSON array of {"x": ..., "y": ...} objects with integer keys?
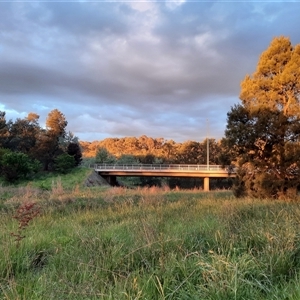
[{"x": 115, "y": 243}]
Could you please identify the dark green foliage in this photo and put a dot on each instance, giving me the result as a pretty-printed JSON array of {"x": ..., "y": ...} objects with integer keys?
[
  {"x": 64, "y": 163},
  {"x": 103, "y": 156},
  {"x": 147, "y": 159},
  {"x": 127, "y": 159},
  {"x": 3, "y": 151},
  {"x": 87, "y": 162},
  {"x": 74, "y": 150},
  {"x": 35, "y": 166},
  {"x": 15, "y": 165},
  {"x": 262, "y": 144}
]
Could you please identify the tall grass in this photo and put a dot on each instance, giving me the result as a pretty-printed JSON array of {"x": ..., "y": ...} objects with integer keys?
[{"x": 95, "y": 243}]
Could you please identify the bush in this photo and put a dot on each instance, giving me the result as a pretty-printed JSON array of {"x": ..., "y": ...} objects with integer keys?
[
  {"x": 64, "y": 163},
  {"x": 15, "y": 165}
]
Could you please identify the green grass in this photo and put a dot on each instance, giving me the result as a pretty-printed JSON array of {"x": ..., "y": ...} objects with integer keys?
[
  {"x": 75, "y": 177},
  {"x": 147, "y": 244}
]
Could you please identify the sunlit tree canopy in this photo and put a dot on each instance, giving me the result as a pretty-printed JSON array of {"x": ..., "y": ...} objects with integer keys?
[{"x": 275, "y": 84}]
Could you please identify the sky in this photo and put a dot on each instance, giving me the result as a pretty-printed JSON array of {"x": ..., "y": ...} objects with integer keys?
[{"x": 164, "y": 69}]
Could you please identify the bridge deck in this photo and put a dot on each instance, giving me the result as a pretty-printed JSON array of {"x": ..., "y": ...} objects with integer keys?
[{"x": 164, "y": 170}]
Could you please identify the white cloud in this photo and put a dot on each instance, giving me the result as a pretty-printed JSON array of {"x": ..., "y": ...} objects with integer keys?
[
  {"x": 142, "y": 6},
  {"x": 174, "y": 4}
]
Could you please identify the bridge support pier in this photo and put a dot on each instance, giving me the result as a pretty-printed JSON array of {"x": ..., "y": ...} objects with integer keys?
[
  {"x": 206, "y": 184},
  {"x": 111, "y": 179}
]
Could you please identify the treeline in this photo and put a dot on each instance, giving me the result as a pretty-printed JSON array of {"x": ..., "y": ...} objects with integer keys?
[
  {"x": 26, "y": 148},
  {"x": 150, "y": 150}
]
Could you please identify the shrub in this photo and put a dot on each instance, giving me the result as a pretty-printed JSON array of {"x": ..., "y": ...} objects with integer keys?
[
  {"x": 15, "y": 165},
  {"x": 64, "y": 163}
]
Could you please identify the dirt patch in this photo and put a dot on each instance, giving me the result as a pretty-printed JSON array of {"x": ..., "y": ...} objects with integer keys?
[{"x": 95, "y": 179}]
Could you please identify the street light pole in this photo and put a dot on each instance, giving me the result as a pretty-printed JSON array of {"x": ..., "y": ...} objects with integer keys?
[
  {"x": 206, "y": 179},
  {"x": 207, "y": 144}
]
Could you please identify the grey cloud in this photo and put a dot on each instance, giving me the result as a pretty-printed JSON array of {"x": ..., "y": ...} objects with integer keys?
[
  {"x": 79, "y": 18},
  {"x": 104, "y": 17}
]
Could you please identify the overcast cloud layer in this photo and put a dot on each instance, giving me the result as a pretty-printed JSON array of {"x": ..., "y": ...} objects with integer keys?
[{"x": 115, "y": 69}]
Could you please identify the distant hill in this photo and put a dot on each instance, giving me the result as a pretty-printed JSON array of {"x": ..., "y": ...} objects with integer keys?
[{"x": 148, "y": 148}]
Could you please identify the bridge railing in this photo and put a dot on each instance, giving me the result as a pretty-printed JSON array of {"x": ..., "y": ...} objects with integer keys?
[{"x": 166, "y": 167}]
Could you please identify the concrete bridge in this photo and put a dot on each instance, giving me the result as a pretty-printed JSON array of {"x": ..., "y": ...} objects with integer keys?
[{"x": 111, "y": 171}]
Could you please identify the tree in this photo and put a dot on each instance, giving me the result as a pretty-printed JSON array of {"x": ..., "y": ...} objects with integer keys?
[
  {"x": 147, "y": 159},
  {"x": 276, "y": 83},
  {"x": 188, "y": 153},
  {"x": 33, "y": 117},
  {"x": 127, "y": 159},
  {"x": 56, "y": 123},
  {"x": 4, "y": 129},
  {"x": 75, "y": 151},
  {"x": 70, "y": 144},
  {"x": 130, "y": 145},
  {"x": 169, "y": 151},
  {"x": 46, "y": 149},
  {"x": 23, "y": 134},
  {"x": 263, "y": 133},
  {"x": 67, "y": 139},
  {"x": 104, "y": 157},
  {"x": 48, "y": 141}
]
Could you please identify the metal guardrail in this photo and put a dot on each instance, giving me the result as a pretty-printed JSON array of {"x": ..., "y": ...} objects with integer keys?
[{"x": 162, "y": 167}]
